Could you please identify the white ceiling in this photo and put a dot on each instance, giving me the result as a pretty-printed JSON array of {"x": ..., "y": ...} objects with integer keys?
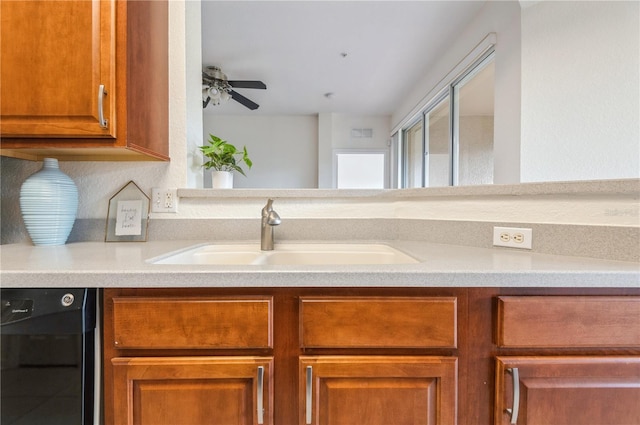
[{"x": 296, "y": 48}]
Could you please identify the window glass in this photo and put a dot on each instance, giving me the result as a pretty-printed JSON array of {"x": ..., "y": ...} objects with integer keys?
[
  {"x": 473, "y": 126},
  {"x": 361, "y": 170},
  {"x": 438, "y": 145},
  {"x": 413, "y": 155}
]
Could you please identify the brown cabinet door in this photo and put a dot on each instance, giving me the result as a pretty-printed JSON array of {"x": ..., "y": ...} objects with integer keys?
[
  {"x": 55, "y": 56},
  {"x": 193, "y": 390},
  {"x": 377, "y": 390},
  {"x": 568, "y": 390}
]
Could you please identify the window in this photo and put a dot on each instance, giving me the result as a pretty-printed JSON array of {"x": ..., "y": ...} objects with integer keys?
[
  {"x": 413, "y": 156},
  {"x": 473, "y": 126},
  {"x": 438, "y": 146},
  {"x": 452, "y": 142},
  {"x": 361, "y": 169}
]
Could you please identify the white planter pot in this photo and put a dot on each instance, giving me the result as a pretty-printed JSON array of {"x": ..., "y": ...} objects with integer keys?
[{"x": 221, "y": 179}]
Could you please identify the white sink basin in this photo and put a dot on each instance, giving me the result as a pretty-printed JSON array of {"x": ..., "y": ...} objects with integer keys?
[{"x": 287, "y": 254}]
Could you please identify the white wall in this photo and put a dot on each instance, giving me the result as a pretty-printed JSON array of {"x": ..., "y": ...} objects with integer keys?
[
  {"x": 325, "y": 150},
  {"x": 580, "y": 90},
  {"x": 193, "y": 87},
  {"x": 283, "y": 149},
  {"x": 294, "y": 151}
]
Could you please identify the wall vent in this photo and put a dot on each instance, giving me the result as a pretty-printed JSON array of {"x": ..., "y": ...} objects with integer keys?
[{"x": 361, "y": 133}]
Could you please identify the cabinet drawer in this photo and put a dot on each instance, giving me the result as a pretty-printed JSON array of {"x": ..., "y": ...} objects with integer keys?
[
  {"x": 193, "y": 323},
  {"x": 531, "y": 321},
  {"x": 352, "y": 322}
]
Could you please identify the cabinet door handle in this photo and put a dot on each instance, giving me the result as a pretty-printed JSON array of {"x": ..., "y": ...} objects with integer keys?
[
  {"x": 260, "y": 395},
  {"x": 104, "y": 123},
  {"x": 516, "y": 395},
  {"x": 309, "y": 400}
]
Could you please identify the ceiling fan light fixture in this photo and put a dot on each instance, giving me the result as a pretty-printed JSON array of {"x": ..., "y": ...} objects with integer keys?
[
  {"x": 219, "y": 89},
  {"x": 217, "y": 92}
]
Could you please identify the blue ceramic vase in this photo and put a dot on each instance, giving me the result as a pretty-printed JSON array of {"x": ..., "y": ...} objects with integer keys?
[{"x": 49, "y": 204}]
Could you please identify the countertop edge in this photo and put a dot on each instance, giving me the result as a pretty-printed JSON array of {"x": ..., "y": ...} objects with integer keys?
[
  {"x": 96, "y": 264},
  {"x": 322, "y": 279},
  {"x": 613, "y": 186}
]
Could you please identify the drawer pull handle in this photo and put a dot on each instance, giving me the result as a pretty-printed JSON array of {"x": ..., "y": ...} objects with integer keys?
[
  {"x": 309, "y": 400},
  {"x": 260, "y": 395},
  {"x": 516, "y": 395},
  {"x": 104, "y": 123}
]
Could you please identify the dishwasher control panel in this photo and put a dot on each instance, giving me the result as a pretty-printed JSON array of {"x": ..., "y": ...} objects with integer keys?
[{"x": 14, "y": 310}]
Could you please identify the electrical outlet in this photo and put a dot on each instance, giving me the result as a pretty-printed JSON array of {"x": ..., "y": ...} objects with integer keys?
[
  {"x": 513, "y": 237},
  {"x": 164, "y": 200}
]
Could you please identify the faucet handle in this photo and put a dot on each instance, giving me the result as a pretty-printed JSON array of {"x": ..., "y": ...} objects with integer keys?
[{"x": 268, "y": 207}]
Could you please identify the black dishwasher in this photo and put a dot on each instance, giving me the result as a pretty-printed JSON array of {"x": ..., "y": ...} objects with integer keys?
[{"x": 48, "y": 356}]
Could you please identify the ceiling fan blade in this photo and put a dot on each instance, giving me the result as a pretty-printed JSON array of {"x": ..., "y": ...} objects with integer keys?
[
  {"x": 243, "y": 100},
  {"x": 247, "y": 84}
]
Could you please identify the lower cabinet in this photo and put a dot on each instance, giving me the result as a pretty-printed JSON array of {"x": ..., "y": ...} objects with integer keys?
[
  {"x": 188, "y": 360},
  {"x": 374, "y": 356},
  {"x": 568, "y": 390},
  {"x": 378, "y": 389},
  {"x": 584, "y": 388},
  {"x": 372, "y": 390},
  {"x": 193, "y": 390}
]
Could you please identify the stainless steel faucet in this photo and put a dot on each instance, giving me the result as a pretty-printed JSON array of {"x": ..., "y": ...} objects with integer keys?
[{"x": 270, "y": 218}]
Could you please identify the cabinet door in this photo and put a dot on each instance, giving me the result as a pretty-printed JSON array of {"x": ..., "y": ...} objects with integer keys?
[
  {"x": 377, "y": 390},
  {"x": 55, "y": 56},
  {"x": 193, "y": 390},
  {"x": 567, "y": 390}
]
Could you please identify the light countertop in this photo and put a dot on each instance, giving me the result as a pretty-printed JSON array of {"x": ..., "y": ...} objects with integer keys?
[
  {"x": 591, "y": 187},
  {"x": 98, "y": 264}
]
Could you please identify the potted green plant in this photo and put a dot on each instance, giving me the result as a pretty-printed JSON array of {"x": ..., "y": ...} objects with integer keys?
[{"x": 223, "y": 158}]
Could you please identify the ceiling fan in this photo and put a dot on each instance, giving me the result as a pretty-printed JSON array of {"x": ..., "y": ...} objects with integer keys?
[{"x": 216, "y": 87}]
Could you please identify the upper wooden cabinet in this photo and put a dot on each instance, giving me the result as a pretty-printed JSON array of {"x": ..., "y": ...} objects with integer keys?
[
  {"x": 84, "y": 80},
  {"x": 51, "y": 74}
]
